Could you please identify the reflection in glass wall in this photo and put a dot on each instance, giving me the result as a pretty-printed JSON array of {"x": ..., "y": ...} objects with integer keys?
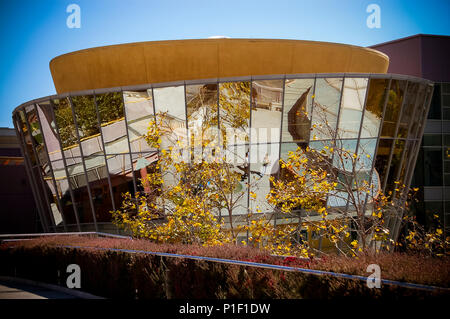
[
  {"x": 297, "y": 110},
  {"x": 64, "y": 121},
  {"x": 382, "y": 159},
  {"x": 139, "y": 112},
  {"x": 48, "y": 146},
  {"x": 171, "y": 100},
  {"x": 267, "y": 98},
  {"x": 62, "y": 186},
  {"x": 352, "y": 106},
  {"x": 408, "y": 109},
  {"x": 326, "y": 107},
  {"x": 202, "y": 117},
  {"x": 113, "y": 153},
  {"x": 264, "y": 164},
  {"x": 234, "y": 112},
  {"x": 393, "y": 106},
  {"x": 395, "y": 165},
  {"x": 378, "y": 89},
  {"x": 112, "y": 122}
]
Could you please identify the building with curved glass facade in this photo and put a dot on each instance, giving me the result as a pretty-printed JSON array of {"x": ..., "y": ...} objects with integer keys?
[{"x": 84, "y": 148}]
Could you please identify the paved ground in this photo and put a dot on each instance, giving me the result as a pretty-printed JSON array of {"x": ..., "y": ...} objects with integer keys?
[{"x": 9, "y": 290}]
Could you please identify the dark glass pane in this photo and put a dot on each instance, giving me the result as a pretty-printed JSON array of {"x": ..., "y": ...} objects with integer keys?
[
  {"x": 446, "y": 113},
  {"x": 408, "y": 109},
  {"x": 435, "y": 106},
  {"x": 433, "y": 167},
  {"x": 432, "y": 140},
  {"x": 446, "y": 100},
  {"x": 374, "y": 107},
  {"x": 445, "y": 87},
  {"x": 381, "y": 161},
  {"x": 395, "y": 165},
  {"x": 393, "y": 106},
  {"x": 447, "y": 139}
]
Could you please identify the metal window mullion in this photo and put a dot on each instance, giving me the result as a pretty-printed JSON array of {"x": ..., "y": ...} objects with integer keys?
[
  {"x": 75, "y": 211},
  {"x": 31, "y": 178},
  {"x": 51, "y": 168},
  {"x": 388, "y": 170},
  {"x": 38, "y": 162},
  {"x": 104, "y": 152},
  {"x": 128, "y": 137},
  {"x": 88, "y": 186}
]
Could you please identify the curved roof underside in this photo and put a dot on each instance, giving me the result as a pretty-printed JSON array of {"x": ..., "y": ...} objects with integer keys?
[{"x": 166, "y": 61}]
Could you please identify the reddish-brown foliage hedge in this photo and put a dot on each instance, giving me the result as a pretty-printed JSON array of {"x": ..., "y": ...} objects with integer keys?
[{"x": 117, "y": 274}]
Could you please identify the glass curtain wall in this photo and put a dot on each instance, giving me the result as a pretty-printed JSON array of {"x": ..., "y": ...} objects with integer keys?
[{"x": 84, "y": 151}]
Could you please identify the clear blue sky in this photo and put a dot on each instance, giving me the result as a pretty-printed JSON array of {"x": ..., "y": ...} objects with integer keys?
[{"x": 33, "y": 32}]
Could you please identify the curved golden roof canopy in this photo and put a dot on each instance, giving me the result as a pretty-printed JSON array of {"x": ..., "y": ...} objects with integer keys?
[{"x": 166, "y": 61}]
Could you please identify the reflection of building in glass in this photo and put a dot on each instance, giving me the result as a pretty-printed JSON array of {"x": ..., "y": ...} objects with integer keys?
[{"x": 85, "y": 148}]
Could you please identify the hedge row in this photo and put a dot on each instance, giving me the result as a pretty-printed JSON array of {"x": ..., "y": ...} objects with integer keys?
[{"x": 115, "y": 274}]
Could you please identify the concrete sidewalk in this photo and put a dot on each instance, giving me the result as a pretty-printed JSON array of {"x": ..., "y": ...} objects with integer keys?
[{"x": 18, "y": 288}]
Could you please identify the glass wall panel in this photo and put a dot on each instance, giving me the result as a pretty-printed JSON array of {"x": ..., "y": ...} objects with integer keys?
[
  {"x": 378, "y": 89},
  {"x": 234, "y": 112},
  {"x": 27, "y": 138},
  {"x": 62, "y": 185},
  {"x": 64, "y": 121},
  {"x": 419, "y": 108},
  {"x": 395, "y": 165},
  {"x": 352, "y": 106},
  {"x": 44, "y": 163},
  {"x": 266, "y": 111},
  {"x": 88, "y": 126},
  {"x": 120, "y": 173},
  {"x": 139, "y": 112},
  {"x": 418, "y": 130},
  {"x": 435, "y": 107},
  {"x": 202, "y": 116},
  {"x": 433, "y": 165},
  {"x": 382, "y": 159},
  {"x": 326, "y": 107},
  {"x": 393, "y": 106},
  {"x": 297, "y": 110},
  {"x": 263, "y": 164},
  {"x": 112, "y": 122},
  {"x": 171, "y": 100},
  {"x": 408, "y": 109}
]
